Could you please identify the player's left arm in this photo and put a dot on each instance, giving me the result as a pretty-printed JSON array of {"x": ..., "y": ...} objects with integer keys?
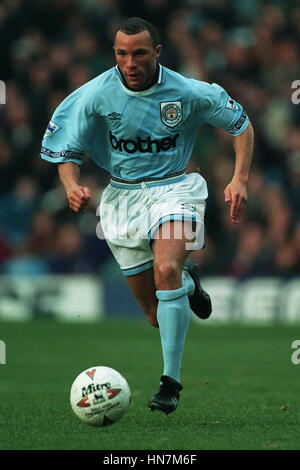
[
  {"x": 236, "y": 191},
  {"x": 220, "y": 110}
]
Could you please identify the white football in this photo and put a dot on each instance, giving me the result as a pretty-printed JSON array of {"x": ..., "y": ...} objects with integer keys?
[{"x": 100, "y": 396}]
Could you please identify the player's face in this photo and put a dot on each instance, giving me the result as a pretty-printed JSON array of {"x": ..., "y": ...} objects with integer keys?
[{"x": 136, "y": 57}]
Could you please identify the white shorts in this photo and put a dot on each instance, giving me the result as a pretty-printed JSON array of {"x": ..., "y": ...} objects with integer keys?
[{"x": 130, "y": 215}]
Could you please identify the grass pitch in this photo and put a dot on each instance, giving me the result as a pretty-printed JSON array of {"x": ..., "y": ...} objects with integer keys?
[{"x": 241, "y": 389}]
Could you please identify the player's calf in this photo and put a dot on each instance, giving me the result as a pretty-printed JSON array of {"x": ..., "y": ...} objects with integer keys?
[{"x": 152, "y": 317}]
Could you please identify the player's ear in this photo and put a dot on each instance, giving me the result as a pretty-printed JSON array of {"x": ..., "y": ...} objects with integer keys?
[{"x": 158, "y": 49}]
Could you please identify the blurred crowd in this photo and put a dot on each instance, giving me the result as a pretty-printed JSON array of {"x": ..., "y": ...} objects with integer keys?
[{"x": 250, "y": 47}]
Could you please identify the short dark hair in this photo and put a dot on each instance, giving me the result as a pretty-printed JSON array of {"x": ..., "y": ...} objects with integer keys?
[{"x": 136, "y": 25}]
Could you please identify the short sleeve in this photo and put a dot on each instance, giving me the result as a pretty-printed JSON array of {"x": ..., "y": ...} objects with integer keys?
[
  {"x": 226, "y": 113},
  {"x": 217, "y": 108},
  {"x": 66, "y": 136}
]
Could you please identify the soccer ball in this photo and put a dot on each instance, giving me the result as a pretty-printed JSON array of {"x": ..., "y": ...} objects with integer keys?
[{"x": 100, "y": 396}]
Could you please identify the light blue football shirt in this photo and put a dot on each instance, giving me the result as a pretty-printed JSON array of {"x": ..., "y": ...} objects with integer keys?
[{"x": 138, "y": 134}]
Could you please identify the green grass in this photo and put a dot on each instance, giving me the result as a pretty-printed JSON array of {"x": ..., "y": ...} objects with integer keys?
[{"x": 241, "y": 390}]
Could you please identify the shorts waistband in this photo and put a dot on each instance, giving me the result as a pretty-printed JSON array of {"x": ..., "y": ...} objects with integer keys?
[{"x": 149, "y": 182}]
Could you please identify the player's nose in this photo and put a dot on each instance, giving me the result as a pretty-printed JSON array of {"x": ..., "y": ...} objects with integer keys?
[{"x": 130, "y": 63}]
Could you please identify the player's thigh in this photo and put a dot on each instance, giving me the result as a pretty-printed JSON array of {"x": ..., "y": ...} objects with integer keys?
[{"x": 143, "y": 288}]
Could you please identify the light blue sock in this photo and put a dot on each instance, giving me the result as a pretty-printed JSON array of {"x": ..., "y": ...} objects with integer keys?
[
  {"x": 188, "y": 282},
  {"x": 173, "y": 316}
]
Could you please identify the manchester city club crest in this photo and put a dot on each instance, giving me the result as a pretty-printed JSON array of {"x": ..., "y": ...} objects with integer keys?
[{"x": 171, "y": 112}]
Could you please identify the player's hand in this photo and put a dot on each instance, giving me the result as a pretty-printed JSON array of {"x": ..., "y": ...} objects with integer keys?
[
  {"x": 236, "y": 194},
  {"x": 79, "y": 197}
]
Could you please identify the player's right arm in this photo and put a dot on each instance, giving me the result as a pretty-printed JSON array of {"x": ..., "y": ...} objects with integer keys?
[
  {"x": 66, "y": 142},
  {"x": 77, "y": 128},
  {"x": 78, "y": 196}
]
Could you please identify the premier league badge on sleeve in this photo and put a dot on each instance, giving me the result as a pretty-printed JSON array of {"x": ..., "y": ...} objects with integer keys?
[
  {"x": 51, "y": 129},
  {"x": 171, "y": 112},
  {"x": 231, "y": 104}
]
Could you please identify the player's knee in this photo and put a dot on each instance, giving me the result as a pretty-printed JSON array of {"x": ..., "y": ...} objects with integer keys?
[{"x": 167, "y": 275}]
